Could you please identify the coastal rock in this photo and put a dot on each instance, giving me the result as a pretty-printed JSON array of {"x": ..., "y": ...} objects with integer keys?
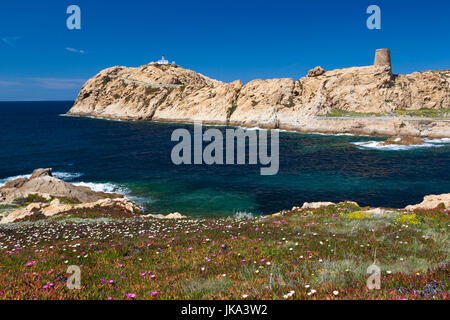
[
  {"x": 404, "y": 140},
  {"x": 44, "y": 184},
  {"x": 317, "y": 71},
  {"x": 41, "y": 173},
  {"x": 56, "y": 208},
  {"x": 173, "y": 94},
  {"x": 171, "y": 216},
  {"x": 432, "y": 202},
  {"x": 317, "y": 205}
]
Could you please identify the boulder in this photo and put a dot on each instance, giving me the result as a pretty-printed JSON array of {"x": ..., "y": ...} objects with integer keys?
[
  {"x": 316, "y": 205},
  {"x": 171, "y": 216},
  {"x": 41, "y": 173},
  {"x": 55, "y": 208},
  {"x": 43, "y": 183},
  {"x": 432, "y": 202},
  {"x": 317, "y": 71},
  {"x": 404, "y": 140}
]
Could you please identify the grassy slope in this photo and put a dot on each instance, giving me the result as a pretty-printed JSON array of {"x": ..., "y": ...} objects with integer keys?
[
  {"x": 277, "y": 257},
  {"x": 420, "y": 113}
]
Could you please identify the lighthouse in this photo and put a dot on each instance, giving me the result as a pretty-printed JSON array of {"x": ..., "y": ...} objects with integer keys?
[{"x": 163, "y": 60}]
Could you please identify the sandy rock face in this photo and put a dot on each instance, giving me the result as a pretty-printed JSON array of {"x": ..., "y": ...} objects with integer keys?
[
  {"x": 55, "y": 208},
  {"x": 43, "y": 183},
  {"x": 432, "y": 202},
  {"x": 171, "y": 93},
  {"x": 171, "y": 216},
  {"x": 317, "y": 205}
]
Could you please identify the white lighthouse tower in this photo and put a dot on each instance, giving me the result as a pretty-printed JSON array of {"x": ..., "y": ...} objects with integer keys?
[{"x": 163, "y": 60}]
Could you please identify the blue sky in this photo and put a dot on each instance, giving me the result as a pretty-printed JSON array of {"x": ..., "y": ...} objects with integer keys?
[{"x": 40, "y": 59}]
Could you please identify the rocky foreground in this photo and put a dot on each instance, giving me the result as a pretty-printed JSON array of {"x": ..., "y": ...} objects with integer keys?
[
  {"x": 43, "y": 196},
  {"x": 360, "y": 100},
  {"x": 319, "y": 251}
]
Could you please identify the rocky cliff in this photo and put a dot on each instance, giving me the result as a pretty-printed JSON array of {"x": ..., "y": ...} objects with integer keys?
[{"x": 173, "y": 94}]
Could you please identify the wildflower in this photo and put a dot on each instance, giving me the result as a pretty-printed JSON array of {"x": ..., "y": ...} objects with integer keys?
[
  {"x": 109, "y": 298},
  {"x": 245, "y": 296},
  {"x": 110, "y": 281},
  {"x": 335, "y": 292},
  {"x": 131, "y": 295},
  {"x": 154, "y": 293}
]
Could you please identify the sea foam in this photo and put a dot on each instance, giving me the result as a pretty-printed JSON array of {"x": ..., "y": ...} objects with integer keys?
[{"x": 378, "y": 145}]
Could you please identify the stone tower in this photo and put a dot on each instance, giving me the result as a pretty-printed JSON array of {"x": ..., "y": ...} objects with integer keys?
[{"x": 383, "y": 57}]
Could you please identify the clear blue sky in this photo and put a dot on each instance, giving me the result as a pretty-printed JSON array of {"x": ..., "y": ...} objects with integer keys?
[{"x": 40, "y": 59}]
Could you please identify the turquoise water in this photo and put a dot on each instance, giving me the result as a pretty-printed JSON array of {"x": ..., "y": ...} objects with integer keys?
[{"x": 134, "y": 158}]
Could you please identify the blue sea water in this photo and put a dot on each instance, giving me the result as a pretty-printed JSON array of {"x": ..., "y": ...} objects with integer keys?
[{"x": 134, "y": 158}]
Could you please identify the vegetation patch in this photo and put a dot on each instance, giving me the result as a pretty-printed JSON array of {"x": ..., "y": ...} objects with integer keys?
[{"x": 298, "y": 254}]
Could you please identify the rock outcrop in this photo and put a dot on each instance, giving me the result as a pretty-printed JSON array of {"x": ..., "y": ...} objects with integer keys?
[
  {"x": 56, "y": 208},
  {"x": 44, "y": 184},
  {"x": 50, "y": 196},
  {"x": 432, "y": 202},
  {"x": 173, "y": 94}
]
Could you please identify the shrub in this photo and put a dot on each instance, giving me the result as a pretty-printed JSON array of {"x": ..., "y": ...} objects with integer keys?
[
  {"x": 408, "y": 219},
  {"x": 358, "y": 215}
]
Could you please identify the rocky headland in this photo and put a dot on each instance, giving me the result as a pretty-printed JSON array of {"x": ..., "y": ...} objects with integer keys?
[
  {"x": 368, "y": 100},
  {"x": 42, "y": 196}
]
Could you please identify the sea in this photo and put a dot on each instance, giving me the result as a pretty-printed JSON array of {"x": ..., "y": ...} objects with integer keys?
[{"x": 134, "y": 158}]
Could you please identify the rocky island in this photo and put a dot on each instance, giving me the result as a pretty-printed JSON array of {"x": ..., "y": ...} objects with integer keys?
[{"x": 368, "y": 100}]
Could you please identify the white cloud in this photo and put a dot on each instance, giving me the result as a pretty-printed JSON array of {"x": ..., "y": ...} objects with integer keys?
[
  {"x": 10, "y": 41},
  {"x": 76, "y": 50},
  {"x": 58, "y": 83}
]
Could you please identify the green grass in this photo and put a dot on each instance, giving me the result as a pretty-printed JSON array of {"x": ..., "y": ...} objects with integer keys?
[
  {"x": 425, "y": 113},
  {"x": 420, "y": 113},
  {"x": 273, "y": 257},
  {"x": 345, "y": 113}
]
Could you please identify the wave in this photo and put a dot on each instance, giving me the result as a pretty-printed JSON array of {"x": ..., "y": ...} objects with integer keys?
[
  {"x": 6, "y": 180},
  {"x": 437, "y": 141},
  {"x": 379, "y": 145},
  {"x": 66, "y": 176},
  {"x": 103, "y": 187}
]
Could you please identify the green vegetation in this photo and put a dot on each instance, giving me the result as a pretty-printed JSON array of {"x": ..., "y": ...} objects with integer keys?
[
  {"x": 291, "y": 103},
  {"x": 425, "y": 113},
  {"x": 151, "y": 90},
  {"x": 420, "y": 113},
  {"x": 298, "y": 254},
  {"x": 116, "y": 96},
  {"x": 345, "y": 113},
  {"x": 32, "y": 198},
  {"x": 106, "y": 80},
  {"x": 232, "y": 109}
]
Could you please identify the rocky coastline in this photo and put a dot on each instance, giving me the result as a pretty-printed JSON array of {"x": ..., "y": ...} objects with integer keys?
[
  {"x": 367, "y": 100},
  {"x": 43, "y": 196}
]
